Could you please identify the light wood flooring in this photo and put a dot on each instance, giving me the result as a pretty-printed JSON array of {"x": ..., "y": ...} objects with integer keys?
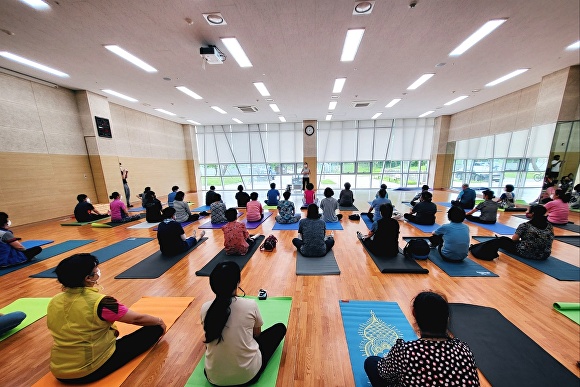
[{"x": 315, "y": 352}]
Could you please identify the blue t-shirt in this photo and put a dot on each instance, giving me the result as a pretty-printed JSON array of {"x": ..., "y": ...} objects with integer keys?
[
  {"x": 273, "y": 196},
  {"x": 171, "y": 198},
  {"x": 376, "y": 205},
  {"x": 455, "y": 240},
  {"x": 467, "y": 197}
]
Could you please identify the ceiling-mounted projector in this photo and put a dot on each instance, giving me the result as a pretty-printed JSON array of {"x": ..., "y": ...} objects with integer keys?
[{"x": 212, "y": 55}]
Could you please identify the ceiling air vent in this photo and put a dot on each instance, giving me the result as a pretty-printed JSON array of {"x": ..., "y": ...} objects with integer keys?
[
  {"x": 362, "y": 104},
  {"x": 247, "y": 109}
]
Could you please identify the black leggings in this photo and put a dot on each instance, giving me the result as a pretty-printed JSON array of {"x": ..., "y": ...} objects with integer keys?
[
  {"x": 305, "y": 180},
  {"x": 477, "y": 219},
  {"x": 413, "y": 219},
  {"x": 127, "y": 348},
  {"x": 32, "y": 252}
]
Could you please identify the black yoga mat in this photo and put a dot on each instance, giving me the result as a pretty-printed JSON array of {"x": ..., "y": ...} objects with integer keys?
[
  {"x": 351, "y": 208},
  {"x": 326, "y": 265},
  {"x": 571, "y": 240},
  {"x": 569, "y": 226},
  {"x": 155, "y": 265},
  {"x": 505, "y": 355},
  {"x": 398, "y": 264},
  {"x": 222, "y": 256},
  {"x": 562, "y": 271}
]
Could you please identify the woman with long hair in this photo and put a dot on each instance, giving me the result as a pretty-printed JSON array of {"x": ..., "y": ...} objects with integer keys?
[{"x": 237, "y": 351}]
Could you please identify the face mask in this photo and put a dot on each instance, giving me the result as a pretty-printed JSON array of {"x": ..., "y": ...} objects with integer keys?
[
  {"x": 88, "y": 200},
  {"x": 9, "y": 223},
  {"x": 98, "y": 275}
]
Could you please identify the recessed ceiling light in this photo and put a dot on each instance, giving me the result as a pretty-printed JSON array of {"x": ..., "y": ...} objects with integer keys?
[
  {"x": 506, "y": 77},
  {"x": 481, "y": 33},
  {"x": 185, "y": 90},
  {"x": 274, "y": 107},
  {"x": 214, "y": 19},
  {"x": 440, "y": 64},
  {"x": 332, "y": 105},
  {"x": 456, "y": 100},
  {"x": 334, "y": 97},
  {"x": 270, "y": 99},
  {"x": 573, "y": 46},
  {"x": 393, "y": 102},
  {"x": 218, "y": 109},
  {"x": 351, "y": 43},
  {"x": 376, "y": 116},
  {"x": 237, "y": 51},
  {"x": 426, "y": 113},
  {"x": 262, "y": 89},
  {"x": 363, "y": 7},
  {"x": 282, "y": 119},
  {"x": 475, "y": 90},
  {"x": 422, "y": 79},
  {"x": 238, "y": 121},
  {"x": 338, "y": 85},
  {"x": 165, "y": 112},
  {"x": 328, "y": 117},
  {"x": 131, "y": 58},
  {"x": 194, "y": 122},
  {"x": 37, "y": 4},
  {"x": 28, "y": 62},
  {"x": 116, "y": 94}
]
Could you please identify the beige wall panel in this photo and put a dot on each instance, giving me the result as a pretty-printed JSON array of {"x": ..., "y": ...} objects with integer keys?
[
  {"x": 527, "y": 107},
  {"x": 86, "y": 118},
  {"x": 107, "y": 146},
  {"x": 98, "y": 179},
  {"x": 135, "y": 119},
  {"x": 91, "y": 144},
  {"x": 59, "y": 122},
  {"x": 550, "y": 97},
  {"x": 66, "y": 144},
  {"x": 119, "y": 131},
  {"x": 570, "y": 109},
  {"x": 19, "y": 116},
  {"x": 53, "y": 180},
  {"x": 158, "y": 151},
  {"x": 459, "y": 123},
  {"x": 123, "y": 148},
  {"x": 21, "y": 141},
  {"x": 504, "y": 119},
  {"x": 54, "y": 99},
  {"x": 140, "y": 149},
  {"x": 16, "y": 90},
  {"x": 99, "y": 106}
]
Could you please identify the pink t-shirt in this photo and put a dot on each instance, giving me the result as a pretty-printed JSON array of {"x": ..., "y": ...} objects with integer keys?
[
  {"x": 117, "y": 207},
  {"x": 557, "y": 211},
  {"x": 253, "y": 210},
  {"x": 309, "y": 197}
]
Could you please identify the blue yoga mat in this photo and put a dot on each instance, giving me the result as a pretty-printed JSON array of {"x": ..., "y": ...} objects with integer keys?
[
  {"x": 448, "y": 205},
  {"x": 35, "y": 242},
  {"x": 49, "y": 252},
  {"x": 465, "y": 268},
  {"x": 408, "y": 189},
  {"x": 562, "y": 271},
  {"x": 104, "y": 254},
  {"x": 331, "y": 226},
  {"x": 201, "y": 208},
  {"x": 497, "y": 228},
  {"x": 371, "y": 329},
  {"x": 425, "y": 228},
  {"x": 365, "y": 218},
  {"x": 136, "y": 209},
  {"x": 254, "y": 225}
]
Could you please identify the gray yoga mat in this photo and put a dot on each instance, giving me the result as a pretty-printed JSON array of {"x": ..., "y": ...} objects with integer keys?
[
  {"x": 155, "y": 265},
  {"x": 571, "y": 240},
  {"x": 241, "y": 260},
  {"x": 351, "y": 208},
  {"x": 317, "y": 265}
]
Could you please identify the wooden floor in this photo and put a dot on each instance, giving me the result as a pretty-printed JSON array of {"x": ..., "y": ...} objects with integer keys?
[{"x": 315, "y": 352}]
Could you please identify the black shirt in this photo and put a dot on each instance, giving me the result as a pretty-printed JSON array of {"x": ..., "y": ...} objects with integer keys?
[
  {"x": 425, "y": 211},
  {"x": 153, "y": 211},
  {"x": 82, "y": 212},
  {"x": 169, "y": 237},
  {"x": 385, "y": 242},
  {"x": 209, "y": 197},
  {"x": 243, "y": 198}
]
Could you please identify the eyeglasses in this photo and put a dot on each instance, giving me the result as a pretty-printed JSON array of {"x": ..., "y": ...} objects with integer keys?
[{"x": 243, "y": 291}]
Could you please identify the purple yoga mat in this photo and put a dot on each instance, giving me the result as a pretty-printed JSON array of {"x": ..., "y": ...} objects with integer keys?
[
  {"x": 253, "y": 225},
  {"x": 210, "y": 225}
]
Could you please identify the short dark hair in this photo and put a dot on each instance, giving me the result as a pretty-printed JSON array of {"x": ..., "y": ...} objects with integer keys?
[
  {"x": 240, "y": 187},
  {"x": 254, "y": 196},
  {"x": 114, "y": 195},
  {"x": 509, "y": 188},
  {"x": 383, "y": 186},
  {"x": 557, "y": 157},
  {"x": 72, "y": 271},
  {"x": 347, "y": 185},
  {"x": 565, "y": 197},
  {"x": 179, "y": 196},
  {"x": 489, "y": 193},
  {"x": 427, "y": 196},
  {"x": 211, "y": 187},
  {"x": 431, "y": 312},
  {"x": 286, "y": 195},
  {"x": 310, "y": 186},
  {"x": 456, "y": 214},
  {"x": 312, "y": 212},
  {"x": 425, "y": 187},
  {"x": 386, "y": 210},
  {"x": 3, "y": 219},
  {"x": 382, "y": 193},
  {"x": 577, "y": 188},
  {"x": 328, "y": 192},
  {"x": 465, "y": 185},
  {"x": 168, "y": 212},
  {"x": 174, "y": 188},
  {"x": 81, "y": 197},
  {"x": 217, "y": 198},
  {"x": 231, "y": 214}
]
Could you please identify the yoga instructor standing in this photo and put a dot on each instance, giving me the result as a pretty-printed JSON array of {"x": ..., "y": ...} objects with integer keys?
[
  {"x": 305, "y": 176},
  {"x": 124, "y": 174}
]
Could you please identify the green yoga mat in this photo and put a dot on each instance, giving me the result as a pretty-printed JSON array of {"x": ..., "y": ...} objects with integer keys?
[
  {"x": 273, "y": 310},
  {"x": 35, "y": 309},
  {"x": 569, "y": 309}
]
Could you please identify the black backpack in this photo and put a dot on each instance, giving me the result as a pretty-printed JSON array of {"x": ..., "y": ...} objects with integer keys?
[
  {"x": 354, "y": 217},
  {"x": 417, "y": 249},
  {"x": 269, "y": 244},
  {"x": 486, "y": 250}
]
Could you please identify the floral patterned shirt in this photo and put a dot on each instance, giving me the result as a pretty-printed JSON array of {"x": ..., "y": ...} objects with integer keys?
[
  {"x": 534, "y": 243},
  {"x": 235, "y": 235}
]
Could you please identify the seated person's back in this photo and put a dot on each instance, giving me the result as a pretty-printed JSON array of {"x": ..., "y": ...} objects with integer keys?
[
  {"x": 313, "y": 233},
  {"x": 346, "y": 197},
  {"x": 210, "y": 196},
  {"x": 218, "y": 210},
  {"x": 273, "y": 195},
  {"x": 242, "y": 197},
  {"x": 455, "y": 236}
]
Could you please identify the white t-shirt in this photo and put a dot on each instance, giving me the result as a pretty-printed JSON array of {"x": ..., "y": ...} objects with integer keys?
[
  {"x": 237, "y": 358},
  {"x": 556, "y": 165}
]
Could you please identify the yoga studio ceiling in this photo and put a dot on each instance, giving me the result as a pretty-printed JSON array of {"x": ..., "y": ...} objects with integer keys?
[{"x": 294, "y": 47}]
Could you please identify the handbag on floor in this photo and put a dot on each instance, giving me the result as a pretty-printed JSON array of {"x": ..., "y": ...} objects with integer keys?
[
  {"x": 417, "y": 249},
  {"x": 269, "y": 243}
]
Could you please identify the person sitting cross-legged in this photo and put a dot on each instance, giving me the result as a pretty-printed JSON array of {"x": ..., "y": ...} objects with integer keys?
[
  {"x": 424, "y": 211},
  {"x": 313, "y": 241},
  {"x": 383, "y": 238},
  {"x": 286, "y": 210},
  {"x": 466, "y": 198},
  {"x": 488, "y": 209},
  {"x": 376, "y": 204},
  {"x": 171, "y": 236}
]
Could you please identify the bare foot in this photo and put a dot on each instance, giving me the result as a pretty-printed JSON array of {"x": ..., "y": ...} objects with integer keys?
[{"x": 202, "y": 234}]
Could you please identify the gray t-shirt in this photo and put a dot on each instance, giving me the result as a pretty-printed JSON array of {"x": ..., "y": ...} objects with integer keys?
[
  {"x": 488, "y": 210},
  {"x": 313, "y": 232},
  {"x": 329, "y": 207},
  {"x": 182, "y": 210}
]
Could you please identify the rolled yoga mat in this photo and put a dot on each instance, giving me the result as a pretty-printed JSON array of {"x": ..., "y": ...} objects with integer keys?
[
  {"x": 210, "y": 225},
  {"x": 397, "y": 264},
  {"x": 155, "y": 265},
  {"x": 273, "y": 310},
  {"x": 317, "y": 265},
  {"x": 465, "y": 268},
  {"x": 571, "y": 240},
  {"x": 371, "y": 329},
  {"x": 34, "y": 308},
  {"x": 505, "y": 355},
  {"x": 167, "y": 308},
  {"x": 35, "y": 242},
  {"x": 49, "y": 252},
  {"x": 241, "y": 260},
  {"x": 569, "y": 226},
  {"x": 104, "y": 254},
  {"x": 562, "y": 271},
  {"x": 569, "y": 309},
  {"x": 254, "y": 225}
]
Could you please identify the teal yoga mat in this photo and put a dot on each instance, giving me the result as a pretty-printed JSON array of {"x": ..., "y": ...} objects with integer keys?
[
  {"x": 569, "y": 309},
  {"x": 371, "y": 329},
  {"x": 104, "y": 254},
  {"x": 49, "y": 252},
  {"x": 34, "y": 308},
  {"x": 273, "y": 310},
  {"x": 465, "y": 268},
  {"x": 35, "y": 242}
]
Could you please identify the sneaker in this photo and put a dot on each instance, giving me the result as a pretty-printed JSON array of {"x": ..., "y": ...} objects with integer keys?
[{"x": 359, "y": 235}]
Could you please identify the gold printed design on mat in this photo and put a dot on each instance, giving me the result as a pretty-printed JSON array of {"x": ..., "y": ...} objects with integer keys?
[{"x": 377, "y": 336}]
